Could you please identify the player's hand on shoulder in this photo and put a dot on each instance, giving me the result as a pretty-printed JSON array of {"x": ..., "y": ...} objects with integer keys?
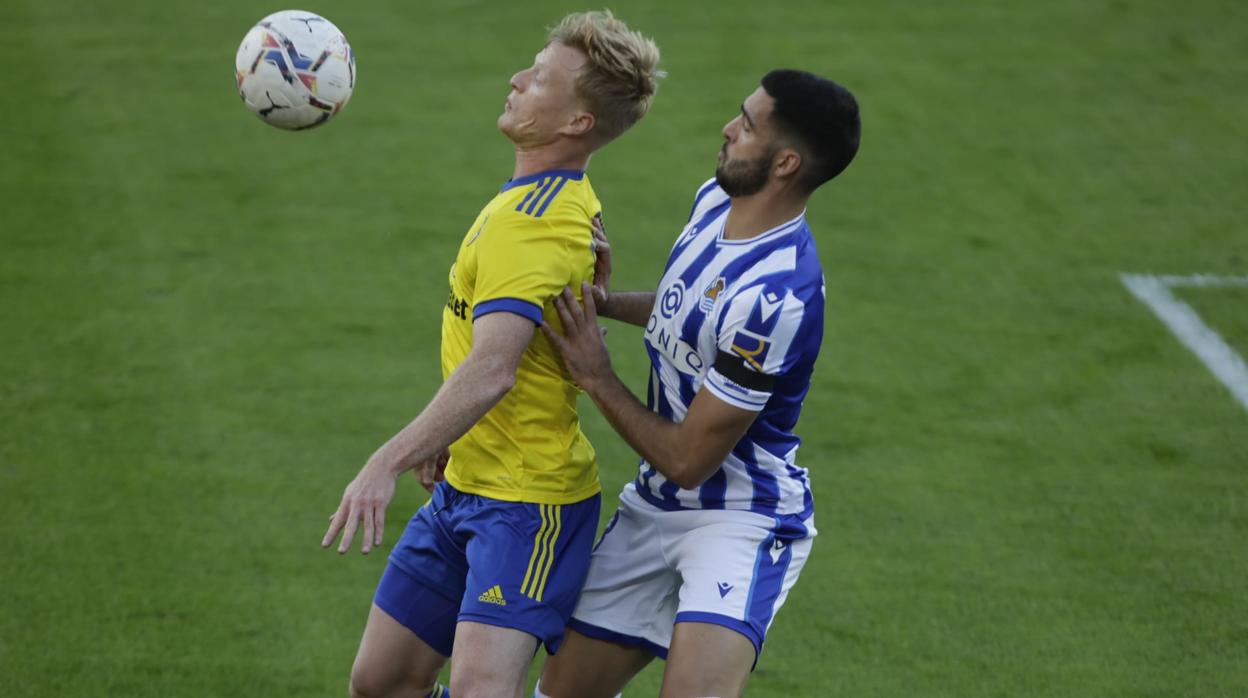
[
  {"x": 363, "y": 501},
  {"x": 581, "y": 345}
]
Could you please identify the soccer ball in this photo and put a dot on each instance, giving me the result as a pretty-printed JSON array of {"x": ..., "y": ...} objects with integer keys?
[{"x": 295, "y": 70}]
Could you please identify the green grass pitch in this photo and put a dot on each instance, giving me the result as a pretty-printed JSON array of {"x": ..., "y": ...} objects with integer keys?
[{"x": 1025, "y": 485}]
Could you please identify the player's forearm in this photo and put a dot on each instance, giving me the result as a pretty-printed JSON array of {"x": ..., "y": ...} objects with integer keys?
[
  {"x": 632, "y": 307},
  {"x": 659, "y": 440},
  {"x": 468, "y": 393}
]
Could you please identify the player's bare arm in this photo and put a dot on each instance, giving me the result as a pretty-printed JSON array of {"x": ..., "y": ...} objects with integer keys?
[
  {"x": 686, "y": 452},
  {"x": 475, "y": 386},
  {"x": 632, "y": 307}
]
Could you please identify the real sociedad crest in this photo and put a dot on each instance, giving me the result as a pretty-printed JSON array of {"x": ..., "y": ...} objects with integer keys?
[{"x": 711, "y": 294}]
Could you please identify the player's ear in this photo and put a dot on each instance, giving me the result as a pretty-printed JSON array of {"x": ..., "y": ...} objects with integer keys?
[
  {"x": 787, "y": 162},
  {"x": 581, "y": 123}
]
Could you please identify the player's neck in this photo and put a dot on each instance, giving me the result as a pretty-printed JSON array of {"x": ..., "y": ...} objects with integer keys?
[
  {"x": 554, "y": 156},
  {"x": 751, "y": 216}
]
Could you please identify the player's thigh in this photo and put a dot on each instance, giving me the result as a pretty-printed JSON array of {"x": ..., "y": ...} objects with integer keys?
[
  {"x": 707, "y": 660},
  {"x": 587, "y": 667},
  {"x": 490, "y": 661},
  {"x": 392, "y": 659}
]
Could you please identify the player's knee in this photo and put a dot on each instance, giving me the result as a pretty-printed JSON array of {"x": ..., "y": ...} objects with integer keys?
[
  {"x": 370, "y": 683},
  {"x": 483, "y": 684}
]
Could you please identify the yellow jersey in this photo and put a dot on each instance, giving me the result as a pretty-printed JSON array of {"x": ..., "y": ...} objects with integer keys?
[{"x": 525, "y": 246}]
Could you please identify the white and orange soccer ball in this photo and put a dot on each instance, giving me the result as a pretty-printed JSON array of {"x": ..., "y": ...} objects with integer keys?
[{"x": 295, "y": 70}]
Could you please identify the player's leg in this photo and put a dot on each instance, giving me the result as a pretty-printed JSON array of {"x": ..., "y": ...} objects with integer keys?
[
  {"x": 590, "y": 668},
  {"x": 707, "y": 660},
  {"x": 411, "y": 625},
  {"x": 526, "y": 566},
  {"x": 737, "y": 569},
  {"x": 392, "y": 661},
  {"x": 490, "y": 661}
]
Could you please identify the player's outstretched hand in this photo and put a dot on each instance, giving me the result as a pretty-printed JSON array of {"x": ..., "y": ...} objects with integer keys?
[
  {"x": 581, "y": 344},
  {"x": 365, "y": 500},
  {"x": 432, "y": 471},
  {"x": 602, "y": 265}
]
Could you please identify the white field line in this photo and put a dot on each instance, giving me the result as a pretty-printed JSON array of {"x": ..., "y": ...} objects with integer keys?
[
  {"x": 1202, "y": 280},
  {"x": 1227, "y": 365}
]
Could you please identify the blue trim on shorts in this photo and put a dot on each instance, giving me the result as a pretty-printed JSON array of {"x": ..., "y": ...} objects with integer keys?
[
  {"x": 600, "y": 633},
  {"x": 746, "y": 629},
  {"x": 769, "y": 574}
]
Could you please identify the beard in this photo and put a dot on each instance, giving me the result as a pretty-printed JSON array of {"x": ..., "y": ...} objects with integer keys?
[{"x": 744, "y": 177}]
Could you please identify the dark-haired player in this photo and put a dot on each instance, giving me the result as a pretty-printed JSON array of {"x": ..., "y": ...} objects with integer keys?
[{"x": 711, "y": 536}]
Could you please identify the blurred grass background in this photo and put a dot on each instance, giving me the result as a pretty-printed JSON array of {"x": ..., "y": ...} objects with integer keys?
[{"x": 1025, "y": 485}]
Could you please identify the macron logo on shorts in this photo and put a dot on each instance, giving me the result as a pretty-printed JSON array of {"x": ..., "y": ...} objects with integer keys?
[
  {"x": 724, "y": 588},
  {"x": 493, "y": 595}
]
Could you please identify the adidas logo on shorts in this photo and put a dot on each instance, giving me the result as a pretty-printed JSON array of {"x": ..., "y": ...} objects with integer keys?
[{"x": 493, "y": 595}]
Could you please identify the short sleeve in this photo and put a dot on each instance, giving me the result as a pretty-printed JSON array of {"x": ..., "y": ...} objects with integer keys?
[
  {"x": 522, "y": 263},
  {"x": 756, "y": 345}
]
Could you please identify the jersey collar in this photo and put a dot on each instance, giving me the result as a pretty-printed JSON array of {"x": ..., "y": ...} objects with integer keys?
[
  {"x": 575, "y": 175},
  {"x": 783, "y": 229}
]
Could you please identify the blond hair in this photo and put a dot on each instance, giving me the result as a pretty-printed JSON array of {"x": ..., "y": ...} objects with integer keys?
[{"x": 619, "y": 82}]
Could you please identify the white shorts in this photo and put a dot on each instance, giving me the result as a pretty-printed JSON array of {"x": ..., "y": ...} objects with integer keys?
[{"x": 655, "y": 568}]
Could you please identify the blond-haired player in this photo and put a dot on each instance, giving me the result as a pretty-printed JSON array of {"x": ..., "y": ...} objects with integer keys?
[{"x": 494, "y": 563}]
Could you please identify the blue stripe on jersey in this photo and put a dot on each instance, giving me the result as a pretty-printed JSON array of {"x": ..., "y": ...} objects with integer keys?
[
  {"x": 669, "y": 490},
  {"x": 766, "y": 488},
  {"x": 706, "y": 189},
  {"x": 551, "y": 197},
  {"x": 663, "y": 407},
  {"x": 546, "y": 185},
  {"x": 808, "y": 499},
  {"x": 647, "y": 493},
  {"x": 697, "y": 229},
  {"x": 529, "y": 195},
  {"x": 711, "y": 493}
]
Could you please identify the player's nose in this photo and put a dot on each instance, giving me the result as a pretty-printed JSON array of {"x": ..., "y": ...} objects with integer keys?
[{"x": 517, "y": 80}]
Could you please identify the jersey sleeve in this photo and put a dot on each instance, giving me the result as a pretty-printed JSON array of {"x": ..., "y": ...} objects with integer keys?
[
  {"x": 708, "y": 187},
  {"x": 757, "y": 343},
  {"x": 522, "y": 263}
]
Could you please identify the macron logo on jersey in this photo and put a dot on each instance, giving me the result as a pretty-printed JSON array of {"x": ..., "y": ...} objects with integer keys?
[
  {"x": 770, "y": 303},
  {"x": 777, "y": 549}
]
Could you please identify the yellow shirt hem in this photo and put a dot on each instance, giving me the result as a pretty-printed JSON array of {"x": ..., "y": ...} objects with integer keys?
[{"x": 511, "y": 495}]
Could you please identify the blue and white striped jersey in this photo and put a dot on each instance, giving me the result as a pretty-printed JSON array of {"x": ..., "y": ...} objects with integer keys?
[{"x": 743, "y": 319}]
